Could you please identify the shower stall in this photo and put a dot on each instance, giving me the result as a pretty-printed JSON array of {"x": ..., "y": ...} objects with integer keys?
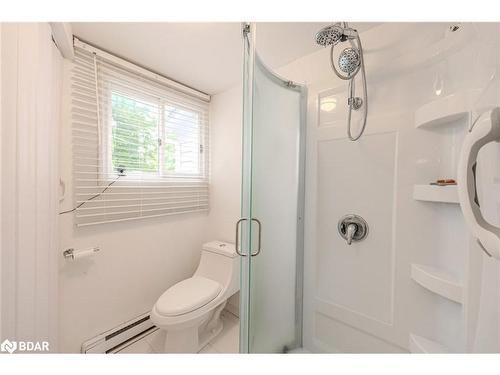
[{"x": 356, "y": 237}]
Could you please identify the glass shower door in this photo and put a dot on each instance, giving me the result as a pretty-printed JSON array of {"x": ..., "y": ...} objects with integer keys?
[{"x": 271, "y": 228}]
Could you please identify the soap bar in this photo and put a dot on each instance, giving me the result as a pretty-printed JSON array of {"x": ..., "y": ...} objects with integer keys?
[{"x": 444, "y": 182}]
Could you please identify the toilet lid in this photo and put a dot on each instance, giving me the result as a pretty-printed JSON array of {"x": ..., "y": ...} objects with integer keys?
[{"x": 187, "y": 296}]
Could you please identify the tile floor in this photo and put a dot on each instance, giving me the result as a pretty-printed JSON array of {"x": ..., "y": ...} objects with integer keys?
[{"x": 226, "y": 342}]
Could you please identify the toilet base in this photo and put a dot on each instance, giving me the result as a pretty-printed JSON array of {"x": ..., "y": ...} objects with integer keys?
[
  {"x": 193, "y": 339},
  {"x": 182, "y": 341},
  {"x": 207, "y": 336}
]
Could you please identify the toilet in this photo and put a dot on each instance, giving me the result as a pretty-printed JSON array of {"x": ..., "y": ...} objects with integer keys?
[{"x": 189, "y": 311}]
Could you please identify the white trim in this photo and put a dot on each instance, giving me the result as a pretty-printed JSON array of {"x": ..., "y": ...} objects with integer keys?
[
  {"x": 63, "y": 37},
  {"x": 140, "y": 70},
  {"x": 31, "y": 65}
]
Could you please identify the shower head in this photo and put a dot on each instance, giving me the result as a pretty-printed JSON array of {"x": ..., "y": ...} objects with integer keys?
[
  {"x": 350, "y": 61},
  {"x": 332, "y": 34},
  {"x": 329, "y": 35}
]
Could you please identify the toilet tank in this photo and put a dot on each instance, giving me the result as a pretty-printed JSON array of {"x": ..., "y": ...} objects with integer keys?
[{"x": 220, "y": 262}]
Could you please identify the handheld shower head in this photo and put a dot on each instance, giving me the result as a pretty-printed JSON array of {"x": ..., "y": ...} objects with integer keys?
[{"x": 349, "y": 61}]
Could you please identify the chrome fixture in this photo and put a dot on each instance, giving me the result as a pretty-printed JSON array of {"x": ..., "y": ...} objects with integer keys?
[
  {"x": 350, "y": 62},
  {"x": 329, "y": 35},
  {"x": 72, "y": 254},
  {"x": 352, "y": 228},
  {"x": 238, "y": 238}
]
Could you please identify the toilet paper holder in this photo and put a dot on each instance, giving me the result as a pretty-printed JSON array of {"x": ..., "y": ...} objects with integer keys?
[{"x": 72, "y": 254}]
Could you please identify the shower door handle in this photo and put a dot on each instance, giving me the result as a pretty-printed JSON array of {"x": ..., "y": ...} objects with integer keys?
[
  {"x": 237, "y": 240},
  {"x": 259, "y": 247},
  {"x": 485, "y": 129}
]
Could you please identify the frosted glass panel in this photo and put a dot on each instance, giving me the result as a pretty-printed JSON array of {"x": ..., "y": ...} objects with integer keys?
[{"x": 274, "y": 291}]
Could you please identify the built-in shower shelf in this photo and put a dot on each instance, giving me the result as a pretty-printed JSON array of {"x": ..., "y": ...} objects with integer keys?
[
  {"x": 419, "y": 344},
  {"x": 434, "y": 193},
  {"x": 437, "y": 281},
  {"x": 448, "y": 110}
]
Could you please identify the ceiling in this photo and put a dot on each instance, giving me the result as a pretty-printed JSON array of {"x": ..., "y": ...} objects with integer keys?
[{"x": 204, "y": 56}]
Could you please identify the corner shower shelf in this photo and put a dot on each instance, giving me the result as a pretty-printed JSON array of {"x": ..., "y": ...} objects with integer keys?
[
  {"x": 447, "y": 110},
  {"x": 434, "y": 193},
  {"x": 419, "y": 344},
  {"x": 437, "y": 281}
]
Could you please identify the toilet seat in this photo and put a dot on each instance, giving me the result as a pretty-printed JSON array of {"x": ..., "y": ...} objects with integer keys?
[{"x": 187, "y": 295}]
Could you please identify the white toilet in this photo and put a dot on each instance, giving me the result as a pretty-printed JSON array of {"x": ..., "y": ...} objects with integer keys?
[{"x": 189, "y": 311}]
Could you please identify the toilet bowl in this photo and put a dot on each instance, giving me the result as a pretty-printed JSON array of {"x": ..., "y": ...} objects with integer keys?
[{"x": 189, "y": 311}]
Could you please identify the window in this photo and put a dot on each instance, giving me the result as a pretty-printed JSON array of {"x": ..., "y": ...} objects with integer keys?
[
  {"x": 155, "y": 138},
  {"x": 140, "y": 147}
]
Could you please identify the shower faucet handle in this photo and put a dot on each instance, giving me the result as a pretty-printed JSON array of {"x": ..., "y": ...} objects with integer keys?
[
  {"x": 352, "y": 228},
  {"x": 351, "y": 231}
]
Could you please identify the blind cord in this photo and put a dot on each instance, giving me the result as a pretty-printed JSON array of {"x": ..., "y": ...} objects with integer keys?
[{"x": 95, "y": 196}]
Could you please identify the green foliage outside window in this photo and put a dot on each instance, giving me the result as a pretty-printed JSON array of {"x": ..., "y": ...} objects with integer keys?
[
  {"x": 169, "y": 157},
  {"x": 136, "y": 130},
  {"x": 135, "y": 135}
]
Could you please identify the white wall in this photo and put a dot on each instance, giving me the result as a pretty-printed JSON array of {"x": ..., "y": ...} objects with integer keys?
[
  {"x": 225, "y": 169},
  {"x": 138, "y": 260},
  {"x": 225, "y": 163}
]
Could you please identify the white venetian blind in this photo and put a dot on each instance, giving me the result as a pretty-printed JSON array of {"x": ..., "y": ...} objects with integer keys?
[{"x": 140, "y": 147}]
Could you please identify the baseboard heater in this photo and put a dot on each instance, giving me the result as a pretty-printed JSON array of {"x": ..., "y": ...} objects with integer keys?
[{"x": 108, "y": 341}]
